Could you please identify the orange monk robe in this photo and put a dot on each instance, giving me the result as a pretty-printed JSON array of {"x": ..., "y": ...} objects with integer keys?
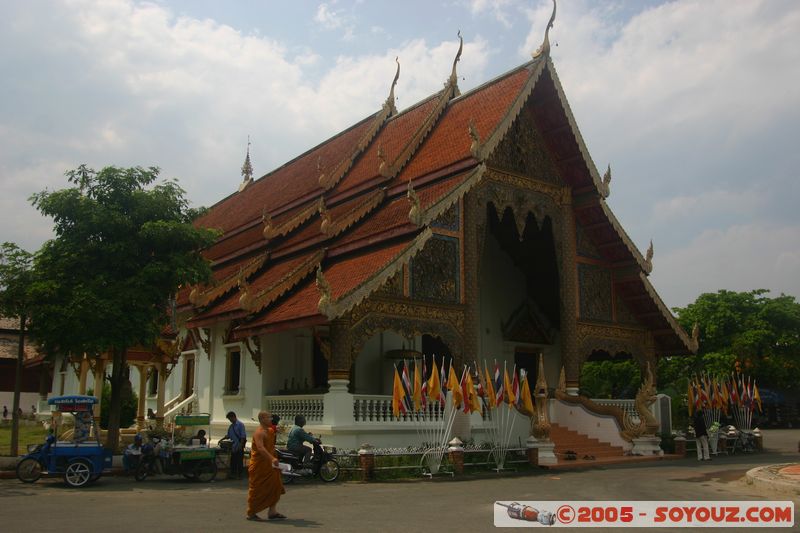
[{"x": 265, "y": 483}]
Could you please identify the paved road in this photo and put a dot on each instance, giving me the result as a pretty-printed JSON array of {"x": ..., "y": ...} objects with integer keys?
[{"x": 171, "y": 504}]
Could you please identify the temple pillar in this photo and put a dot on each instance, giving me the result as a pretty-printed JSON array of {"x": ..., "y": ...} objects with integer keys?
[
  {"x": 162, "y": 382},
  {"x": 140, "y": 410},
  {"x": 99, "y": 382},
  {"x": 83, "y": 373},
  {"x": 338, "y": 401},
  {"x": 569, "y": 298}
]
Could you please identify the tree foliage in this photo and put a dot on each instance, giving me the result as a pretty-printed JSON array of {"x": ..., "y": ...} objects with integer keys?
[
  {"x": 746, "y": 330},
  {"x": 15, "y": 280},
  {"x": 123, "y": 246}
]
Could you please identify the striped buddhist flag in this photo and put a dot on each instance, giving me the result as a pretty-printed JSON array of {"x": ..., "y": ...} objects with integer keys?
[{"x": 498, "y": 385}]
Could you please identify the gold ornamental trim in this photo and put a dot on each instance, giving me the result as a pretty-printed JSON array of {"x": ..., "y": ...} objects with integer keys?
[
  {"x": 271, "y": 231},
  {"x": 452, "y": 315},
  {"x": 200, "y": 297},
  {"x": 443, "y": 204},
  {"x": 267, "y": 296},
  {"x": 645, "y": 264},
  {"x": 691, "y": 343},
  {"x": 332, "y": 228},
  {"x": 328, "y": 181},
  {"x": 560, "y": 195},
  {"x": 482, "y": 151},
  {"x": 334, "y": 309}
]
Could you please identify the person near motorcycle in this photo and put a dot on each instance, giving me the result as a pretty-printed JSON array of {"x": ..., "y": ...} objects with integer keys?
[
  {"x": 238, "y": 436},
  {"x": 132, "y": 455},
  {"x": 297, "y": 437}
]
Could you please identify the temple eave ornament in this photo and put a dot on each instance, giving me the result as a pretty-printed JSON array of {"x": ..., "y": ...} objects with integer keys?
[
  {"x": 544, "y": 48},
  {"x": 475, "y": 147},
  {"x": 648, "y": 258},
  {"x": 452, "y": 81},
  {"x": 415, "y": 213},
  {"x": 325, "y": 299},
  {"x": 694, "y": 343},
  {"x": 605, "y": 189}
]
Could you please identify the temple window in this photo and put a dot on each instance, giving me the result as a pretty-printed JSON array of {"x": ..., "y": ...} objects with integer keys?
[{"x": 233, "y": 369}]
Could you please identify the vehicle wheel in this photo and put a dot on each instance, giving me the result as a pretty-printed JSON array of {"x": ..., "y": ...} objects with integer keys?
[
  {"x": 329, "y": 470},
  {"x": 78, "y": 473},
  {"x": 141, "y": 472},
  {"x": 29, "y": 470},
  {"x": 205, "y": 471}
]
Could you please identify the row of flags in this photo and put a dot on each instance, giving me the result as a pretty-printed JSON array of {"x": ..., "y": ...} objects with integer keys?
[
  {"x": 706, "y": 392},
  {"x": 492, "y": 390}
]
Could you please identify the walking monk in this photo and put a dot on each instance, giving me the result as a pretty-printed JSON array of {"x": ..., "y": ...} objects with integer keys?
[{"x": 265, "y": 484}]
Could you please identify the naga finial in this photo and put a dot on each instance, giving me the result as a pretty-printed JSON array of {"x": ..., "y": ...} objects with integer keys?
[
  {"x": 453, "y": 80},
  {"x": 269, "y": 230},
  {"x": 475, "y": 146},
  {"x": 544, "y": 49},
  {"x": 606, "y": 187},
  {"x": 325, "y": 291},
  {"x": 391, "y": 98},
  {"x": 415, "y": 213},
  {"x": 648, "y": 258},
  {"x": 383, "y": 168},
  {"x": 695, "y": 342},
  {"x": 324, "y": 216},
  {"x": 247, "y": 169}
]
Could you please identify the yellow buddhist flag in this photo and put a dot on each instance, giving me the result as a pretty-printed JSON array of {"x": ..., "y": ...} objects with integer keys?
[
  {"x": 434, "y": 384},
  {"x": 490, "y": 392},
  {"x": 472, "y": 398},
  {"x": 455, "y": 388},
  {"x": 690, "y": 398},
  {"x": 417, "y": 396},
  {"x": 510, "y": 398},
  {"x": 527, "y": 400},
  {"x": 757, "y": 396},
  {"x": 398, "y": 396}
]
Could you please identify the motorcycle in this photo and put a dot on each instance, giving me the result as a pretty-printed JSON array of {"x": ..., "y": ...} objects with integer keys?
[
  {"x": 319, "y": 463},
  {"x": 194, "y": 464}
]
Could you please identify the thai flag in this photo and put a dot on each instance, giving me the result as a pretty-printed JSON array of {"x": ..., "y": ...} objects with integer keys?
[
  {"x": 515, "y": 388},
  {"x": 407, "y": 387},
  {"x": 424, "y": 383},
  {"x": 498, "y": 384}
]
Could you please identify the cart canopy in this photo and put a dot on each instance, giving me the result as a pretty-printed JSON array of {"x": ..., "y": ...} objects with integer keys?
[{"x": 73, "y": 403}]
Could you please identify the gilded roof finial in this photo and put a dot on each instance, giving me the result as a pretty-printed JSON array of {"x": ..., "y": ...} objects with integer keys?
[
  {"x": 605, "y": 190},
  {"x": 269, "y": 229},
  {"x": 325, "y": 217},
  {"x": 453, "y": 80},
  {"x": 648, "y": 258},
  {"x": 390, "y": 99},
  {"x": 247, "y": 169},
  {"x": 325, "y": 291},
  {"x": 415, "y": 213},
  {"x": 475, "y": 146},
  {"x": 544, "y": 49}
]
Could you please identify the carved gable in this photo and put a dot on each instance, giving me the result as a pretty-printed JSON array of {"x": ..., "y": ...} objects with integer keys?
[
  {"x": 435, "y": 271},
  {"x": 595, "y": 292},
  {"x": 523, "y": 151}
]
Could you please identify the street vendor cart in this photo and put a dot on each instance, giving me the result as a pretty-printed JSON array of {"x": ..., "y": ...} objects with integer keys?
[
  {"x": 82, "y": 459},
  {"x": 194, "y": 460}
]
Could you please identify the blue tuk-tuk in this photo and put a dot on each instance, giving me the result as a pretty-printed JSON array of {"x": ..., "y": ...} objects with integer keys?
[{"x": 80, "y": 460}]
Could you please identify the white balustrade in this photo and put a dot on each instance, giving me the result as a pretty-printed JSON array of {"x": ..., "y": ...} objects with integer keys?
[
  {"x": 311, "y": 406},
  {"x": 628, "y": 407},
  {"x": 378, "y": 409}
]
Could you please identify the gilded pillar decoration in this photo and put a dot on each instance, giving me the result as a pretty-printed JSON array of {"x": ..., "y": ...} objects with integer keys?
[
  {"x": 341, "y": 352},
  {"x": 140, "y": 414},
  {"x": 569, "y": 295}
]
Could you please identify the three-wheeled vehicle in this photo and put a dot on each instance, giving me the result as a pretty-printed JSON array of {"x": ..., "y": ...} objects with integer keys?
[
  {"x": 80, "y": 460},
  {"x": 195, "y": 460}
]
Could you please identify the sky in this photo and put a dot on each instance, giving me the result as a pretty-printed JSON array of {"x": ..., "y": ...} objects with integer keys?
[{"x": 694, "y": 104}]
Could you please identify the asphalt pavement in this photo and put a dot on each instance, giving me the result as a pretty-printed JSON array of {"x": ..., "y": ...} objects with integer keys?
[{"x": 445, "y": 504}]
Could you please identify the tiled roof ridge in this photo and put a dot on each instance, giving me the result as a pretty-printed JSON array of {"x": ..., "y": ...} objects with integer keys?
[
  {"x": 271, "y": 231},
  {"x": 255, "y": 303},
  {"x": 332, "y": 228},
  {"x": 333, "y": 309},
  {"x": 201, "y": 297},
  {"x": 644, "y": 264}
]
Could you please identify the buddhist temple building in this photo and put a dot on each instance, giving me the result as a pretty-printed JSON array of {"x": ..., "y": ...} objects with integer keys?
[{"x": 470, "y": 226}]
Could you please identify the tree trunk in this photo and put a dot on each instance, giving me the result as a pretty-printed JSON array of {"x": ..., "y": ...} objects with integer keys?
[
  {"x": 118, "y": 374},
  {"x": 17, "y": 388}
]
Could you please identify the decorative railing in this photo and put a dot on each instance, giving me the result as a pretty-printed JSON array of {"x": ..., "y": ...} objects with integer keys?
[
  {"x": 627, "y": 406},
  {"x": 179, "y": 406},
  {"x": 310, "y": 406},
  {"x": 170, "y": 404},
  {"x": 371, "y": 408}
]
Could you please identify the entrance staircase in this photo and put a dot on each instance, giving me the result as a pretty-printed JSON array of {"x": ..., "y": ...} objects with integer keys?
[{"x": 589, "y": 451}]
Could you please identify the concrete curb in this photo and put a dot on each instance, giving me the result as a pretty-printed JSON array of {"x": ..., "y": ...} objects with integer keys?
[{"x": 771, "y": 478}]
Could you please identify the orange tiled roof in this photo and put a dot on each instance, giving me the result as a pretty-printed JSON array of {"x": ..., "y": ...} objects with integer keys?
[{"x": 345, "y": 205}]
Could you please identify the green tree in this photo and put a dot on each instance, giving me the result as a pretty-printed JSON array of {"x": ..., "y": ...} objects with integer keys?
[
  {"x": 15, "y": 281},
  {"x": 123, "y": 246},
  {"x": 746, "y": 330}
]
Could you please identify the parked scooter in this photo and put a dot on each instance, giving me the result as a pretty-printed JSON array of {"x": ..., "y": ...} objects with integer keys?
[{"x": 320, "y": 463}]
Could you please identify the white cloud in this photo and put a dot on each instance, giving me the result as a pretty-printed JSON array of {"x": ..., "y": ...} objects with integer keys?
[
  {"x": 329, "y": 18},
  {"x": 129, "y": 84},
  {"x": 740, "y": 258},
  {"x": 711, "y": 203},
  {"x": 497, "y": 8}
]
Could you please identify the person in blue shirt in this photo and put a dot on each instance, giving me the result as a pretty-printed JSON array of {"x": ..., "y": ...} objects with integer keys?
[
  {"x": 238, "y": 437},
  {"x": 297, "y": 436}
]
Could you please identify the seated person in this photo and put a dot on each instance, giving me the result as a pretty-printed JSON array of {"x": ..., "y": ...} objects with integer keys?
[
  {"x": 199, "y": 439},
  {"x": 132, "y": 455},
  {"x": 297, "y": 436},
  {"x": 83, "y": 423}
]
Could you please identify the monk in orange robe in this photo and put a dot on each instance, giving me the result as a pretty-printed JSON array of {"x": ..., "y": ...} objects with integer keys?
[{"x": 264, "y": 476}]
